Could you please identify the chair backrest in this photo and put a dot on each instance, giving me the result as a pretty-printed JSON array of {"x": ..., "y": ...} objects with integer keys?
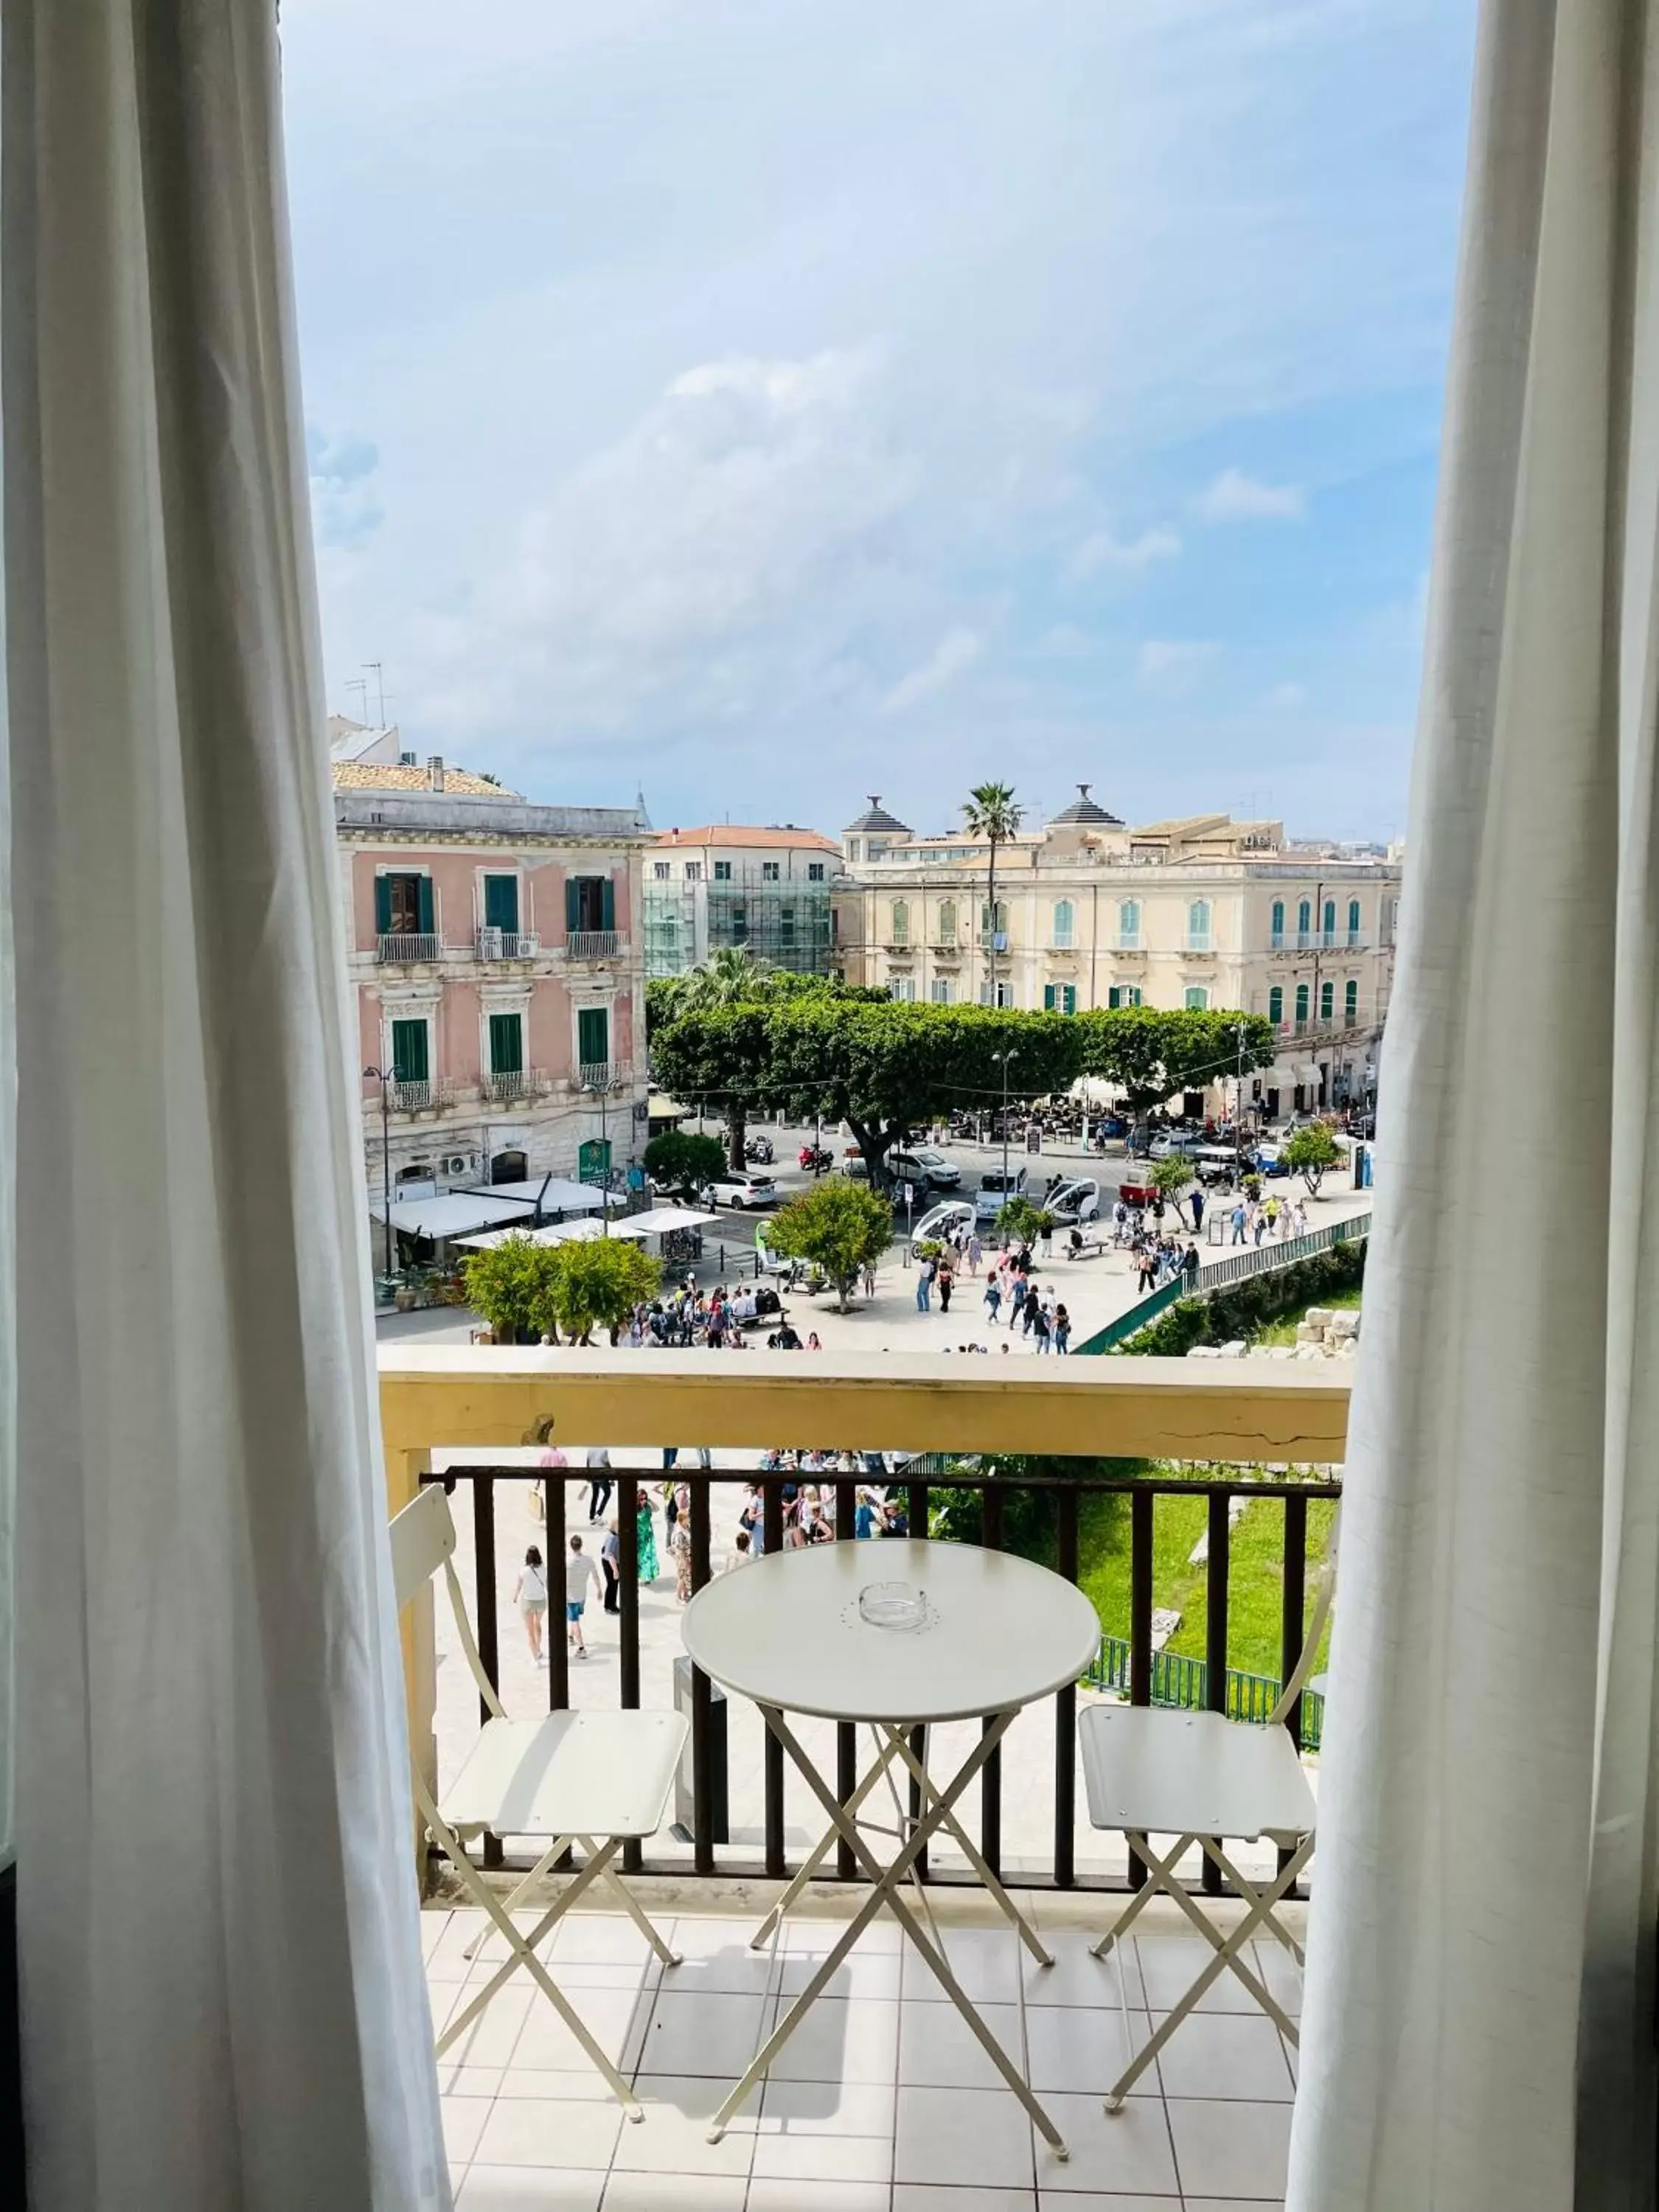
[
  {"x": 423, "y": 1542},
  {"x": 1326, "y": 1592},
  {"x": 422, "y": 1538}
]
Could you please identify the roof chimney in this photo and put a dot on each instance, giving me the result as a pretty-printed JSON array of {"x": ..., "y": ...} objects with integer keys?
[{"x": 435, "y": 771}]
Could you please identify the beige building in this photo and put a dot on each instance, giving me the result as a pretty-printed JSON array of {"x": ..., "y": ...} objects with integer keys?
[
  {"x": 766, "y": 889},
  {"x": 1203, "y": 912}
]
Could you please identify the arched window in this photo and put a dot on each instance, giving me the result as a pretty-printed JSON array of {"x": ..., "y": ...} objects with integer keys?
[
  {"x": 947, "y": 927},
  {"x": 1197, "y": 998},
  {"x": 1129, "y": 925},
  {"x": 901, "y": 922},
  {"x": 1062, "y": 925},
  {"x": 986, "y": 924},
  {"x": 1350, "y": 1003},
  {"x": 1278, "y": 923},
  {"x": 1353, "y": 922},
  {"x": 1303, "y": 922},
  {"x": 1301, "y": 1005},
  {"x": 1276, "y": 1006},
  {"x": 1328, "y": 1002},
  {"x": 1198, "y": 926},
  {"x": 1330, "y": 921}
]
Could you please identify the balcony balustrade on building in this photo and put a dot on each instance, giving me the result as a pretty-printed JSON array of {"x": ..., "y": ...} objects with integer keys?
[
  {"x": 601, "y": 1074},
  {"x": 507, "y": 945},
  {"x": 402, "y": 949},
  {"x": 595, "y": 945},
  {"x": 503, "y": 1085}
]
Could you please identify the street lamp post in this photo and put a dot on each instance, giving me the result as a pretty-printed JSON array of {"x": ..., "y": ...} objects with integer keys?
[
  {"x": 384, "y": 1078},
  {"x": 603, "y": 1091},
  {"x": 1238, "y": 1111},
  {"x": 1005, "y": 1057}
]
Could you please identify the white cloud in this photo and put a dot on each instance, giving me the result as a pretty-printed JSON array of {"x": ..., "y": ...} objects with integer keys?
[
  {"x": 1235, "y": 497},
  {"x": 958, "y": 649},
  {"x": 1101, "y": 550},
  {"x": 1288, "y": 695},
  {"x": 344, "y": 508},
  {"x": 1065, "y": 641},
  {"x": 1170, "y": 662}
]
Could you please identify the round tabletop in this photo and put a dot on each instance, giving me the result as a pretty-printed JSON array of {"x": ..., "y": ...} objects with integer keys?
[{"x": 988, "y": 1632}]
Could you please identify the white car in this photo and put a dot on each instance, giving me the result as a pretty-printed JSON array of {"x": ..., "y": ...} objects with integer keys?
[
  {"x": 920, "y": 1165},
  {"x": 995, "y": 1190},
  {"x": 739, "y": 1189},
  {"x": 1079, "y": 1200},
  {"x": 942, "y": 1221}
]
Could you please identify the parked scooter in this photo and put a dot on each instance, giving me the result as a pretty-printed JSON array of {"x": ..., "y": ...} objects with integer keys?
[
  {"x": 758, "y": 1152},
  {"x": 818, "y": 1158}
]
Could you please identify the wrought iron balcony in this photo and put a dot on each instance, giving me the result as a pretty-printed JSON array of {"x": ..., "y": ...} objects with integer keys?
[
  {"x": 595, "y": 945},
  {"x": 505, "y": 1083},
  {"x": 402, "y": 949}
]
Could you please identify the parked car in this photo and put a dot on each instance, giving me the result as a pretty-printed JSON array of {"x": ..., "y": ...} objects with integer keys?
[
  {"x": 995, "y": 1189},
  {"x": 733, "y": 1189},
  {"x": 940, "y": 1221},
  {"x": 922, "y": 1165},
  {"x": 1137, "y": 1188}
]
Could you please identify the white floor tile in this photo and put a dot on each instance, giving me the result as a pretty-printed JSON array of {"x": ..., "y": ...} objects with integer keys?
[
  {"x": 1083, "y": 2052},
  {"x": 828, "y": 2108},
  {"x": 1234, "y": 2204},
  {"x": 676, "y": 2193},
  {"x": 864, "y": 1973},
  {"x": 920, "y": 2197},
  {"x": 1054, "y": 2200},
  {"x": 673, "y": 2137},
  {"x": 850, "y": 2040},
  {"x": 962, "y": 2136},
  {"x": 1169, "y": 1964},
  {"x": 864, "y": 2159},
  {"x": 602, "y": 1939},
  {"x": 561, "y": 2134},
  {"x": 715, "y": 1956},
  {"x": 579, "y": 2084},
  {"x": 691, "y": 2032},
  {"x": 793, "y": 2196},
  {"x": 1226, "y": 2054},
  {"x": 938, "y": 2049},
  {"x": 464, "y": 2118},
  {"x": 1126, "y": 2153},
  {"x": 528, "y": 2189},
  {"x": 433, "y": 1925},
  {"x": 490, "y": 2040},
  {"x": 609, "y": 2016},
  {"x": 1230, "y": 2150},
  {"x": 1075, "y": 1978},
  {"x": 1281, "y": 1974},
  {"x": 468, "y": 2080},
  {"x": 985, "y": 1961}
]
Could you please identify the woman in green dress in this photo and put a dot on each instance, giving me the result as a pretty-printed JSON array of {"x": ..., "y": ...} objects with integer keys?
[{"x": 646, "y": 1540}]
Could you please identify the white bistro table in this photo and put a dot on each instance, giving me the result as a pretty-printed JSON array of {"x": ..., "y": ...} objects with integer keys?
[{"x": 988, "y": 1634}]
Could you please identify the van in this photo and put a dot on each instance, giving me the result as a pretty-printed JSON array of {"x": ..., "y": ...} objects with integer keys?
[{"x": 995, "y": 1189}]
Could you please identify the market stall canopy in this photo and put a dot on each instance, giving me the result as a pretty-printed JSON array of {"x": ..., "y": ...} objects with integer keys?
[
  {"x": 553, "y": 1193},
  {"x": 662, "y": 1218},
  {"x": 451, "y": 1213},
  {"x": 660, "y": 1108},
  {"x": 553, "y": 1232}
]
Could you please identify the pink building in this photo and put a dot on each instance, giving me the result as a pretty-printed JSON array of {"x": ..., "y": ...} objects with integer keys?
[{"x": 497, "y": 950}]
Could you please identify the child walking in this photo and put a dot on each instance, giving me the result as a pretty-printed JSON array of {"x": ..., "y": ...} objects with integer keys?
[
  {"x": 529, "y": 1595},
  {"x": 581, "y": 1575}
]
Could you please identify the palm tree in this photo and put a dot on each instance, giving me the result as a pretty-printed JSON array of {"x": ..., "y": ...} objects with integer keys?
[
  {"x": 990, "y": 812},
  {"x": 730, "y": 976}
]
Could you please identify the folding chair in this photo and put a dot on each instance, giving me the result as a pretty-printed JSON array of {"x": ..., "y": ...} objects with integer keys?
[
  {"x": 596, "y": 1779},
  {"x": 1204, "y": 1779}
]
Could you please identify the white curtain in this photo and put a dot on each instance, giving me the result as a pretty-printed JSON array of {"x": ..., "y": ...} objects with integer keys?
[
  {"x": 1479, "y": 2024},
  {"x": 223, "y": 2005}
]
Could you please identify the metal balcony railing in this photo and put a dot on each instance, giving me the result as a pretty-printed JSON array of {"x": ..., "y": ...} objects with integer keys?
[
  {"x": 1205, "y": 944},
  {"x": 411, "y": 1096},
  {"x": 595, "y": 944},
  {"x": 601, "y": 1074},
  {"x": 1129, "y": 944},
  {"x": 507, "y": 945},
  {"x": 508, "y": 1082},
  {"x": 1278, "y": 941},
  {"x": 402, "y": 948}
]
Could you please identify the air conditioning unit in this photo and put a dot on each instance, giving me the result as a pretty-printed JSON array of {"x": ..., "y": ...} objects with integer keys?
[
  {"x": 489, "y": 945},
  {"x": 459, "y": 1164}
]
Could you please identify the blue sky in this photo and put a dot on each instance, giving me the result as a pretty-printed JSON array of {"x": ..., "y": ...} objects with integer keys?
[{"x": 768, "y": 402}]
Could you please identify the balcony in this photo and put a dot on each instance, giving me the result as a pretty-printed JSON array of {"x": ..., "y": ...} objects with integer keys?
[
  {"x": 1129, "y": 944},
  {"x": 404, "y": 1094},
  {"x": 504, "y": 1085},
  {"x": 595, "y": 945},
  {"x": 403, "y": 949},
  {"x": 601, "y": 1075},
  {"x": 1199, "y": 945},
  {"x": 883, "y": 2084},
  {"x": 507, "y": 945}
]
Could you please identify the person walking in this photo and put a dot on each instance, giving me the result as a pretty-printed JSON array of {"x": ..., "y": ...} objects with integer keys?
[
  {"x": 679, "y": 1550},
  {"x": 611, "y": 1567},
  {"x": 975, "y": 1253},
  {"x": 529, "y": 1595},
  {"x": 1197, "y": 1211},
  {"x": 864, "y": 1521},
  {"x": 993, "y": 1298},
  {"x": 1019, "y": 1297},
  {"x": 1146, "y": 1261},
  {"x": 581, "y": 1575},
  {"x": 925, "y": 1286},
  {"x": 1042, "y": 1328},
  {"x": 1189, "y": 1267},
  {"x": 947, "y": 1283},
  {"x": 646, "y": 1542},
  {"x": 599, "y": 1484},
  {"x": 870, "y": 1279},
  {"x": 1238, "y": 1222},
  {"x": 1062, "y": 1330}
]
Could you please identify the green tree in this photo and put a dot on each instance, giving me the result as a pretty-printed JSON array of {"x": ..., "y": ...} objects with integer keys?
[
  {"x": 990, "y": 812},
  {"x": 1021, "y": 1222},
  {"x": 839, "y": 1227},
  {"x": 598, "y": 1285},
  {"x": 681, "y": 1160},
  {"x": 510, "y": 1284},
  {"x": 1307, "y": 1153},
  {"x": 1171, "y": 1176},
  {"x": 1151, "y": 1052}
]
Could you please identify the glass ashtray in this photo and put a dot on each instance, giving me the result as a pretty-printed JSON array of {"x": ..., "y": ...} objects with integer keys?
[{"x": 893, "y": 1605}]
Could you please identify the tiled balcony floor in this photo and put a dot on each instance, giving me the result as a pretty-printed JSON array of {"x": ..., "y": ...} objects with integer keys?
[{"x": 882, "y": 2102}]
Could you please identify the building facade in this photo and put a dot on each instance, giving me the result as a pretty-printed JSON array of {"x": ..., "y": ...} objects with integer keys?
[
  {"x": 729, "y": 884},
  {"x": 495, "y": 950},
  {"x": 1202, "y": 912}
]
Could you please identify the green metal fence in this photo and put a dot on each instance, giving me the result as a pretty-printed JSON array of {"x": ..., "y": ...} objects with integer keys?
[{"x": 1184, "y": 1683}]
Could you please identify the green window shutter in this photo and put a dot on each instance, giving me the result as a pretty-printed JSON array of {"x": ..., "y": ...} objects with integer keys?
[
  {"x": 572, "y": 903},
  {"x": 610, "y": 907},
  {"x": 502, "y": 903},
  {"x": 1047, "y": 998},
  {"x": 1350, "y": 1003},
  {"x": 506, "y": 1044},
  {"x": 424, "y": 906},
  {"x": 1302, "y": 1002},
  {"x": 593, "y": 1035},
  {"x": 1068, "y": 1000},
  {"x": 383, "y": 906},
  {"x": 1276, "y": 1004},
  {"x": 409, "y": 1062}
]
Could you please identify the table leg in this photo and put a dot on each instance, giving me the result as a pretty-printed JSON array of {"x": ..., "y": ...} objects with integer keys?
[{"x": 1028, "y": 1935}]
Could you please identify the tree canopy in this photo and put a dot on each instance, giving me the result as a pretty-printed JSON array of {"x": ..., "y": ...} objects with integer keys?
[
  {"x": 681, "y": 1160},
  {"x": 1153, "y": 1052},
  {"x": 838, "y": 1226},
  {"x": 1307, "y": 1153},
  {"x": 598, "y": 1285}
]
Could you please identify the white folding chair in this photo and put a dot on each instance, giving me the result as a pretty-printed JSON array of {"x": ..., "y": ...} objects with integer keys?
[
  {"x": 596, "y": 1779},
  {"x": 1207, "y": 1780}
]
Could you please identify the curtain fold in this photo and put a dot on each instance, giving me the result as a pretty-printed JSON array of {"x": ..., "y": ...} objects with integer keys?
[
  {"x": 1478, "y": 2028},
  {"x": 223, "y": 2005}
]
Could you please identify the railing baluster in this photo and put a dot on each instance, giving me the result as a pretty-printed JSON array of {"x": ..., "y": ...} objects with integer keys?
[
  {"x": 917, "y": 1506},
  {"x": 772, "y": 1751},
  {"x": 702, "y": 1812},
  {"x": 847, "y": 1737},
  {"x": 1141, "y": 1503},
  {"x": 628, "y": 1487},
  {"x": 557, "y": 1644},
  {"x": 483, "y": 1611},
  {"x": 1217, "y": 1568},
  {"x": 1291, "y": 1627},
  {"x": 1066, "y": 1560},
  {"x": 990, "y": 1780}
]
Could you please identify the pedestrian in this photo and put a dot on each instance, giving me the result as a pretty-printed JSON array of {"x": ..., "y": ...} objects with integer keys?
[
  {"x": 529, "y": 1595},
  {"x": 599, "y": 1484},
  {"x": 679, "y": 1550},
  {"x": 869, "y": 1278},
  {"x": 1261, "y": 1225},
  {"x": 925, "y": 1287},
  {"x": 741, "y": 1553},
  {"x": 1238, "y": 1222},
  {"x": 1042, "y": 1328},
  {"x": 1062, "y": 1330},
  {"x": 1197, "y": 1211},
  {"x": 1147, "y": 1261},
  {"x": 975, "y": 1253},
  {"x": 646, "y": 1542},
  {"x": 1029, "y": 1313},
  {"x": 1189, "y": 1268},
  {"x": 864, "y": 1521},
  {"x": 947, "y": 1283},
  {"x": 611, "y": 1567},
  {"x": 581, "y": 1575},
  {"x": 993, "y": 1298},
  {"x": 1018, "y": 1298},
  {"x": 812, "y": 1343}
]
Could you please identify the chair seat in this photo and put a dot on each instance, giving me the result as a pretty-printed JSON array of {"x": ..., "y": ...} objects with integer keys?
[
  {"x": 569, "y": 1774},
  {"x": 1151, "y": 1769}
]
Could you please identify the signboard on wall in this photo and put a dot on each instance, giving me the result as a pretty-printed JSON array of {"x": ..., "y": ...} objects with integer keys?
[{"x": 594, "y": 1161}]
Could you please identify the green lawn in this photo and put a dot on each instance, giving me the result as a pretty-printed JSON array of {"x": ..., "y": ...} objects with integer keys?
[{"x": 1284, "y": 1332}]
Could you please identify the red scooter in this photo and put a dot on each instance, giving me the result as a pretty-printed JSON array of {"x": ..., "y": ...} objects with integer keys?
[{"x": 817, "y": 1158}]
